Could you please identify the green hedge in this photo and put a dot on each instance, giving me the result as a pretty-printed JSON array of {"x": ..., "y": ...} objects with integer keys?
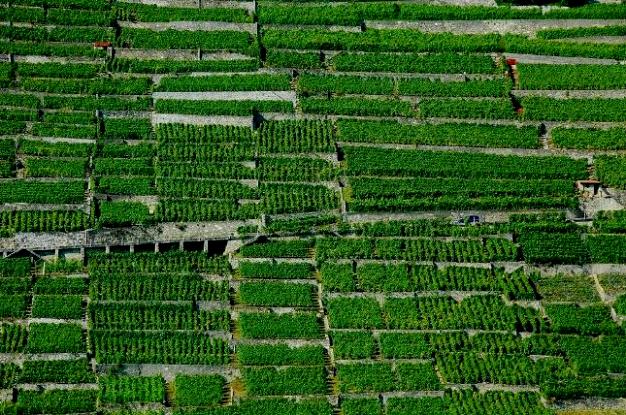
[
  {"x": 590, "y": 138},
  {"x": 123, "y": 213},
  {"x": 198, "y": 390},
  {"x": 58, "y": 306},
  {"x": 611, "y": 170},
  {"x": 554, "y": 248},
  {"x": 131, "y": 389},
  {"x": 283, "y": 326},
  {"x": 30, "y": 402},
  {"x": 55, "y": 338}
]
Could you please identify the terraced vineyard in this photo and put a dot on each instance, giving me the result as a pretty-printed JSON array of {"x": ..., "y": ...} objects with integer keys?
[{"x": 270, "y": 207}]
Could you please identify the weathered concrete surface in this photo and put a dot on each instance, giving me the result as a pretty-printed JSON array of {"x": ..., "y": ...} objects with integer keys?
[{"x": 167, "y": 232}]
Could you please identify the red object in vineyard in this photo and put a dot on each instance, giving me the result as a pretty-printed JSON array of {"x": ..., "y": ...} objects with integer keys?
[
  {"x": 512, "y": 70},
  {"x": 100, "y": 44}
]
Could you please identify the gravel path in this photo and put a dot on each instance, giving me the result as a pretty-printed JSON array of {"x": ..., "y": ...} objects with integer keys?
[
  {"x": 589, "y": 269},
  {"x": 229, "y": 96},
  {"x": 439, "y": 76},
  {"x": 192, "y": 25},
  {"x": 248, "y": 5},
  {"x": 18, "y": 358},
  {"x": 484, "y": 387},
  {"x": 522, "y": 26},
  {"x": 166, "y": 3},
  {"x": 245, "y": 121},
  {"x": 56, "y": 321},
  {"x": 561, "y": 94},
  {"x": 453, "y": 2},
  {"x": 600, "y": 269},
  {"x": 485, "y": 215},
  {"x": 56, "y": 356},
  {"x": 245, "y": 308},
  {"x": 429, "y": 2},
  {"x": 169, "y": 372},
  {"x": 581, "y": 124},
  {"x": 277, "y": 260},
  {"x": 482, "y": 150},
  {"x": 38, "y": 179},
  {"x": 559, "y": 60},
  {"x": 260, "y": 71},
  {"x": 57, "y": 59},
  {"x": 147, "y": 200},
  {"x": 617, "y": 40},
  {"x": 59, "y": 139},
  {"x": 599, "y": 404},
  {"x": 175, "y": 54},
  {"x": 58, "y": 386},
  {"x": 288, "y": 342},
  {"x": 397, "y": 394},
  {"x": 332, "y": 28},
  {"x": 508, "y": 266},
  {"x": 382, "y": 297},
  {"x": 27, "y": 206}
]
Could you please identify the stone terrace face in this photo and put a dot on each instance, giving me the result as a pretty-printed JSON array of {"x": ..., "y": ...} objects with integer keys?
[{"x": 421, "y": 207}]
